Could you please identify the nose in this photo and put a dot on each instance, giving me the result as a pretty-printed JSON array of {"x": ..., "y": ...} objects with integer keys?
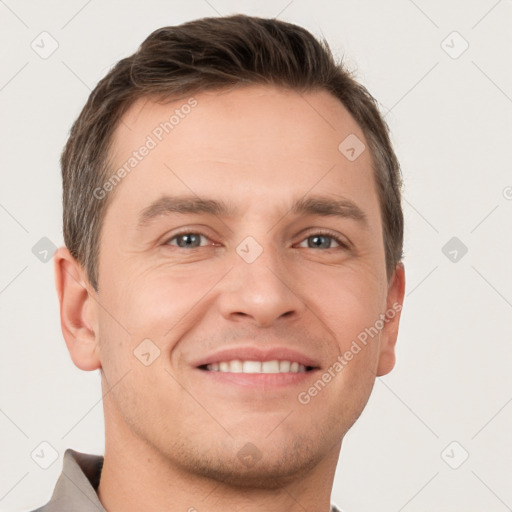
[{"x": 261, "y": 291}]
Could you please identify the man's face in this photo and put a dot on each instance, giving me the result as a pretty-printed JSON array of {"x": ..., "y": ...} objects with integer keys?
[{"x": 258, "y": 282}]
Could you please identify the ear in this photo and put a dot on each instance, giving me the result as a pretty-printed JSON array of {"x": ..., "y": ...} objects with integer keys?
[
  {"x": 78, "y": 311},
  {"x": 395, "y": 299}
]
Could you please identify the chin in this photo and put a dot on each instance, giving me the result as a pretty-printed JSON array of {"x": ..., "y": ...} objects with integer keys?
[{"x": 250, "y": 467}]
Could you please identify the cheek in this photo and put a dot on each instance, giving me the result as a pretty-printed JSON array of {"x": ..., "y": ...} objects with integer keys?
[
  {"x": 142, "y": 320},
  {"x": 151, "y": 301},
  {"x": 347, "y": 298},
  {"x": 350, "y": 304},
  {"x": 342, "y": 389}
]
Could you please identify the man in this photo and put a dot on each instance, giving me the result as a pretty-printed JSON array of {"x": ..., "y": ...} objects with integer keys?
[{"x": 233, "y": 233}]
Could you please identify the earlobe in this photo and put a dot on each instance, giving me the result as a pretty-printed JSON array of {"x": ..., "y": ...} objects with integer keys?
[
  {"x": 389, "y": 335},
  {"x": 78, "y": 312}
]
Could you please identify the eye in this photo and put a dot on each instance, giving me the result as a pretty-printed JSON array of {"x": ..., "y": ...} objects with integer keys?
[
  {"x": 189, "y": 239},
  {"x": 322, "y": 240}
]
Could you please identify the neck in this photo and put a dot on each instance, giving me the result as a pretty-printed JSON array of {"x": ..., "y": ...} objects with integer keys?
[{"x": 136, "y": 476}]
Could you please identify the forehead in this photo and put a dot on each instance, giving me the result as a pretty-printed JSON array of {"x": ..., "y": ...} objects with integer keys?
[
  {"x": 249, "y": 114},
  {"x": 255, "y": 143}
]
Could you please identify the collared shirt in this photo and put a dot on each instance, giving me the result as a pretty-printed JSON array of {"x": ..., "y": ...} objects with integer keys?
[{"x": 76, "y": 488}]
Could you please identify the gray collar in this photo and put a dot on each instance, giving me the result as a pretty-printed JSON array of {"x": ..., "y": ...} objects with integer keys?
[{"x": 75, "y": 490}]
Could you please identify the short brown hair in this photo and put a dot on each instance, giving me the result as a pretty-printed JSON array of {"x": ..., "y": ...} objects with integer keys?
[{"x": 208, "y": 54}]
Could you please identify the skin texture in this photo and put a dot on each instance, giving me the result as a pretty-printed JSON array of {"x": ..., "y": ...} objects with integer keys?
[{"x": 173, "y": 436}]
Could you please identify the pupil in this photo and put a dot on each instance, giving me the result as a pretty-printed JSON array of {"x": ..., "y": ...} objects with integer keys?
[
  {"x": 187, "y": 238},
  {"x": 317, "y": 238}
]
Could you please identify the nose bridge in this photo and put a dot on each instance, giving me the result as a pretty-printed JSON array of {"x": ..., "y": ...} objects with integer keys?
[
  {"x": 261, "y": 263},
  {"x": 260, "y": 284}
]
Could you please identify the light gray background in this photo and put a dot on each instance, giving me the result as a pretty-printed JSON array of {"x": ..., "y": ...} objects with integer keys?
[{"x": 451, "y": 121}]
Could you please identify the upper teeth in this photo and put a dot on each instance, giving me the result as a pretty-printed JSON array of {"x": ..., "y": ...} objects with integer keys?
[{"x": 238, "y": 366}]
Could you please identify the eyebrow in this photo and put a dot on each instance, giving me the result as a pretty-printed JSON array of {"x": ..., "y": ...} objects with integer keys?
[{"x": 313, "y": 205}]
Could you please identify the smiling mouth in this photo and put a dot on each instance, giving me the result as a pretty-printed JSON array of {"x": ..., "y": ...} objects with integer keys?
[{"x": 262, "y": 367}]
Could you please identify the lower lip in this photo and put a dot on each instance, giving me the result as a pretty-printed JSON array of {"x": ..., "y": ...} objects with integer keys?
[{"x": 259, "y": 380}]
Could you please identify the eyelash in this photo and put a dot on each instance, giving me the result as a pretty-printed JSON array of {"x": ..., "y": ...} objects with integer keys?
[{"x": 342, "y": 244}]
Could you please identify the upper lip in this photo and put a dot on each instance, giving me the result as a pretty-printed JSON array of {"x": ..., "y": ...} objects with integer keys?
[{"x": 249, "y": 353}]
